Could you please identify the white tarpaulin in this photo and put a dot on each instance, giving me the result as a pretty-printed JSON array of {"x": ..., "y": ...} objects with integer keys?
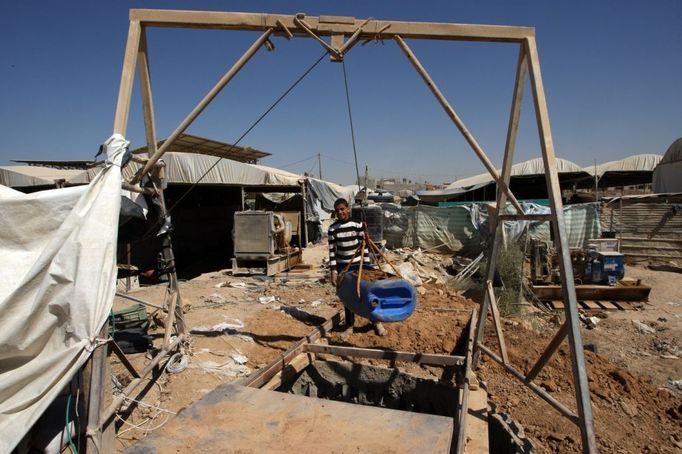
[{"x": 57, "y": 284}]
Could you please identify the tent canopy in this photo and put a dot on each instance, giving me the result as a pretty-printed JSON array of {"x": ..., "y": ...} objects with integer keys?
[
  {"x": 524, "y": 171},
  {"x": 666, "y": 177},
  {"x": 630, "y": 171}
]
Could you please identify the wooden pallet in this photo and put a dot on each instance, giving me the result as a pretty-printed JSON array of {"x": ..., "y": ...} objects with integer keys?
[{"x": 598, "y": 305}]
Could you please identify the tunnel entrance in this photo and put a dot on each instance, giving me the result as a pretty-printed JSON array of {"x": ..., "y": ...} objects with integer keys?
[{"x": 374, "y": 386}]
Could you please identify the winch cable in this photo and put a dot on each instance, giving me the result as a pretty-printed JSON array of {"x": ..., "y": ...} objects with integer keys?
[
  {"x": 154, "y": 228},
  {"x": 267, "y": 111},
  {"x": 367, "y": 241}
]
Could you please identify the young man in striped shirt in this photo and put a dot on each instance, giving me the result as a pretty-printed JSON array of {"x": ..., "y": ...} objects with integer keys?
[{"x": 345, "y": 237}]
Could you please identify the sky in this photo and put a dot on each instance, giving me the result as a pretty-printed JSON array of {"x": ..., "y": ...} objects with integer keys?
[{"x": 612, "y": 72}]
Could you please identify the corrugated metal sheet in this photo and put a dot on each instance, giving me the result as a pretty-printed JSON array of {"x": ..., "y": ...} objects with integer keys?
[{"x": 634, "y": 222}]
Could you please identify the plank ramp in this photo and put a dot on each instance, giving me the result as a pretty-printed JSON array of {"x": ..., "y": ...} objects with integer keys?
[{"x": 233, "y": 418}]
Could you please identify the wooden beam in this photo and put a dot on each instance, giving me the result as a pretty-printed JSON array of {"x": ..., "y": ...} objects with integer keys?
[
  {"x": 146, "y": 94},
  {"x": 496, "y": 226},
  {"x": 595, "y": 292},
  {"x": 432, "y": 359},
  {"x": 262, "y": 22},
  {"x": 460, "y": 440},
  {"x": 580, "y": 383},
  {"x": 561, "y": 408},
  {"x": 549, "y": 352},
  {"x": 125, "y": 90},
  {"x": 490, "y": 296}
]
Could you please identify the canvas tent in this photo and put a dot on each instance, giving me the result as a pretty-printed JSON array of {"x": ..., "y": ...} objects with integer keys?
[
  {"x": 40, "y": 177},
  {"x": 668, "y": 173},
  {"x": 525, "y": 182},
  {"x": 630, "y": 171},
  {"x": 58, "y": 268}
]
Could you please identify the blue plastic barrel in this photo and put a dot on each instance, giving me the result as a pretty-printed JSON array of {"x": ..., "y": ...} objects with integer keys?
[{"x": 385, "y": 300}]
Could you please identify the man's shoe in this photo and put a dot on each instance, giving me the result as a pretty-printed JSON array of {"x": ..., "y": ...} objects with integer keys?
[
  {"x": 345, "y": 334},
  {"x": 379, "y": 329}
]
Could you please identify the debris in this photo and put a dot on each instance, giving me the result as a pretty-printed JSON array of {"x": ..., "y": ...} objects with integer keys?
[
  {"x": 220, "y": 285},
  {"x": 300, "y": 315},
  {"x": 240, "y": 359},
  {"x": 676, "y": 384},
  {"x": 220, "y": 328},
  {"x": 410, "y": 274},
  {"x": 267, "y": 299},
  {"x": 643, "y": 327},
  {"x": 229, "y": 369},
  {"x": 316, "y": 303},
  {"x": 216, "y": 298},
  {"x": 669, "y": 357}
]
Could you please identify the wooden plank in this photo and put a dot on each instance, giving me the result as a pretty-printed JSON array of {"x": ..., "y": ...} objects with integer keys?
[
  {"x": 592, "y": 305},
  {"x": 261, "y": 22},
  {"x": 296, "y": 365},
  {"x": 477, "y": 423},
  {"x": 419, "y": 358},
  {"x": 146, "y": 94},
  {"x": 234, "y": 418},
  {"x": 558, "y": 305},
  {"x": 497, "y": 318},
  {"x": 607, "y": 305},
  {"x": 595, "y": 292}
]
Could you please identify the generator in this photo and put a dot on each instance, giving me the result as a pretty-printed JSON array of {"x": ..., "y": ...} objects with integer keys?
[{"x": 262, "y": 242}]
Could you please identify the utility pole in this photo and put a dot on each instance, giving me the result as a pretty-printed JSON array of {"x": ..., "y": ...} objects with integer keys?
[
  {"x": 366, "y": 174},
  {"x": 319, "y": 164}
]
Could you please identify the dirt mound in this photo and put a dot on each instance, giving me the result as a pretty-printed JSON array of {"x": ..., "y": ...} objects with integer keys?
[{"x": 630, "y": 414}]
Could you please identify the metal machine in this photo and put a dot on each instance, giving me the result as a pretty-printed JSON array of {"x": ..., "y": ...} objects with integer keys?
[
  {"x": 262, "y": 242},
  {"x": 599, "y": 263}
]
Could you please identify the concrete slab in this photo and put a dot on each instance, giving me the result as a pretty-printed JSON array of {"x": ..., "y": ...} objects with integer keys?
[{"x": 234, "y": 418}]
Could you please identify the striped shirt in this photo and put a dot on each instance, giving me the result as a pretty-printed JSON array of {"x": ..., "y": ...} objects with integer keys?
[{"x": 344, "y": 240}]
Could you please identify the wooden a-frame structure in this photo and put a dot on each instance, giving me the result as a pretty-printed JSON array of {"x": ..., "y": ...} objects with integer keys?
[{"x": 343, "y": 33}]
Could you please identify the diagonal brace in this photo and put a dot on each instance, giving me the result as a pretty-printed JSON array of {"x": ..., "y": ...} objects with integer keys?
[
  {"x": 202, "y": 105},
  {"x": 458, "y": 122}
]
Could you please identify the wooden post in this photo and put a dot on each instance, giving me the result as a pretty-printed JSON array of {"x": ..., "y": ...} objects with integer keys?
[
  {"x": 582, "y": 390},
  {"x": 496, "y": 225},
  {"x": 125, "y": 90}
]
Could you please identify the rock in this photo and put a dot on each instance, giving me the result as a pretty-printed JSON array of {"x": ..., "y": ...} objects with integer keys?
[
  {"x": 629, "y": 410},
  {"x": 643, "y": 327},
  {"x": 549, "y": 385}
]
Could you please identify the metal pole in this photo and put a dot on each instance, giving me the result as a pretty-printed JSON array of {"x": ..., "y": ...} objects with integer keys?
[
  {"x": 202, "y": 104},
  {"x": 319, "y": 163},
  {"x": 458, "y": 122}
]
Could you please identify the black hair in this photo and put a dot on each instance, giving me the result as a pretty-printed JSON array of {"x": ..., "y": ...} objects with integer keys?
[{"x": 339, "y": 202}]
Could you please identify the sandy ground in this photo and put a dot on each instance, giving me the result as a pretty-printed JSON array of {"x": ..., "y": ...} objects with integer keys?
[{"x": 634, "y": 411}]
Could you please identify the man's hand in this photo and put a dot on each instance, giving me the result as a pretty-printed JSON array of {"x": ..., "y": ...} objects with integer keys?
[{"x": 333, "y": 277}]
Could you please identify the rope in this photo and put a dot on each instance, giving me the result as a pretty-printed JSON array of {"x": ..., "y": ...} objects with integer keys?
[{"x": 153, "y": 229}]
